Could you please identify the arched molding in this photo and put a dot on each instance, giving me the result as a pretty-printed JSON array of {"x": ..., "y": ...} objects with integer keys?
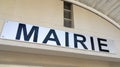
[{"x": 95, "y": 11}]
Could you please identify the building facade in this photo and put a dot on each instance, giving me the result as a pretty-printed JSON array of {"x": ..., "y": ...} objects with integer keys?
[{"x": 56, "y": 33}]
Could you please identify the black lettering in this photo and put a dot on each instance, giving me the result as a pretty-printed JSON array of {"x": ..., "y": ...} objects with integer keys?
[
  {"x": 81, "y": 41},
  {"x": 92, "y": 43},
  {"x": 27, "y": 36},
  {"x": 102, "y": 44},
  {"x": 67, "y": 39},
  {"x": 52, "y": 39}
]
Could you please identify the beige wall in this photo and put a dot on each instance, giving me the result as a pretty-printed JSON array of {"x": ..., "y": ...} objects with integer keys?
[
  {"x": 47, "y": 60},
  {"x": 37, "y": 12},
  {"x": 16, "y": 59},
  {"x": 49, "y": 13},
  {"x": 89, "y": 23}
]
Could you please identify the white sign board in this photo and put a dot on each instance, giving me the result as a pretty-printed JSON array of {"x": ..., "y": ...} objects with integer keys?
[{"x": 25, "y": 32}]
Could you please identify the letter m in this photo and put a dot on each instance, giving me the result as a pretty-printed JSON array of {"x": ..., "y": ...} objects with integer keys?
[{"x": 26, "y": 35}]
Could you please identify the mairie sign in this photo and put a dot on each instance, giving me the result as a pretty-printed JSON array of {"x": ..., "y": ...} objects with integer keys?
[{"x": 30, "y": 33}]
